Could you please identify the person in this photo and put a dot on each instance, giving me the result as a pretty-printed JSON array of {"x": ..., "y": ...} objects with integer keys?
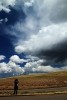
[{"x": 16, "y": 86}]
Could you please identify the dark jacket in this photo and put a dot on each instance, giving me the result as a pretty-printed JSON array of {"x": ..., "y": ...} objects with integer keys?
[{"x": 16, "y": 84}]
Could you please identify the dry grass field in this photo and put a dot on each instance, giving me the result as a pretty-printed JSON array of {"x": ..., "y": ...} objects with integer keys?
[{"x": 36, "y": 83}]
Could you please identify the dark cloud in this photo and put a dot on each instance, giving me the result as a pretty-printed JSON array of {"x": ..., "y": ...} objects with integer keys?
[{"x": 56, "y": 55}]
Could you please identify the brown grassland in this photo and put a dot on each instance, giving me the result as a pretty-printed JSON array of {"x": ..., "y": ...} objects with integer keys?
[{"x": 36, "y": 81}]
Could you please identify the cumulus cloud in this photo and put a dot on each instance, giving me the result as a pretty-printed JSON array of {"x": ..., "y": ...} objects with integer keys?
[
  {"x": 16, "y": 59},
  {"x": 33, "y": 65},
  {"x": 37, "y": 67},
  {"x": 3, "y": 67},
  {"x": 10, "y": 68},
  {"x": 15, "y": 69}
]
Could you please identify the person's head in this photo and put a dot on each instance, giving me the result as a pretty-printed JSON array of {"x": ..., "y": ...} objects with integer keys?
[{"x": 16, "y": 79}]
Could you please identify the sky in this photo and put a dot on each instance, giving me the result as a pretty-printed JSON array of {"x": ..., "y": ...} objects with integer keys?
[{"x": 33, "y": 36}]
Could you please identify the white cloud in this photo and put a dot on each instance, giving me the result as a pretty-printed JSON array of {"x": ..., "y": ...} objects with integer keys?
[
  {"x": 29, "y": 3},
  {"x": 45, "y": 39},
  {"x": 32, "y": 64},
  {"x": 2, "y": 57},
  {"x": 3, "y": 20},
  {"x": 11, "y": 68},
  {"x": 6, "y": 20},
  {"x": 4, "y": 5},
  {"x": 45, "y": 69},
  {"x": 32, "y": 58},
  {"x": 3, "y": 68},
  {"x": 15, "y": 69},
  {"x": 36, "y": 67},
  {"x": 16, "y": 59}
]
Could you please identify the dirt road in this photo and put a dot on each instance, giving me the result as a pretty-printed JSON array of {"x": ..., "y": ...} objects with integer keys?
[{"x": 43, "y": 97}]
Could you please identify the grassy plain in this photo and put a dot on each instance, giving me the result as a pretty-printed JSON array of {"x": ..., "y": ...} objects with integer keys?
[{"x": 35, "y": 81}]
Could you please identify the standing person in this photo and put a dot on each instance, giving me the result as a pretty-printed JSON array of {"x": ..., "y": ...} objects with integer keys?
[{"x": 16, "y": 86}]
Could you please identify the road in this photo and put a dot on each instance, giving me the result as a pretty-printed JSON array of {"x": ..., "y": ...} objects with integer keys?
[{"x": 42, "y": 97}]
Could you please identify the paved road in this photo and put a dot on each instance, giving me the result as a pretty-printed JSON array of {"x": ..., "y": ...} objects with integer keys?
[{"x": 43, "y": 97}]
